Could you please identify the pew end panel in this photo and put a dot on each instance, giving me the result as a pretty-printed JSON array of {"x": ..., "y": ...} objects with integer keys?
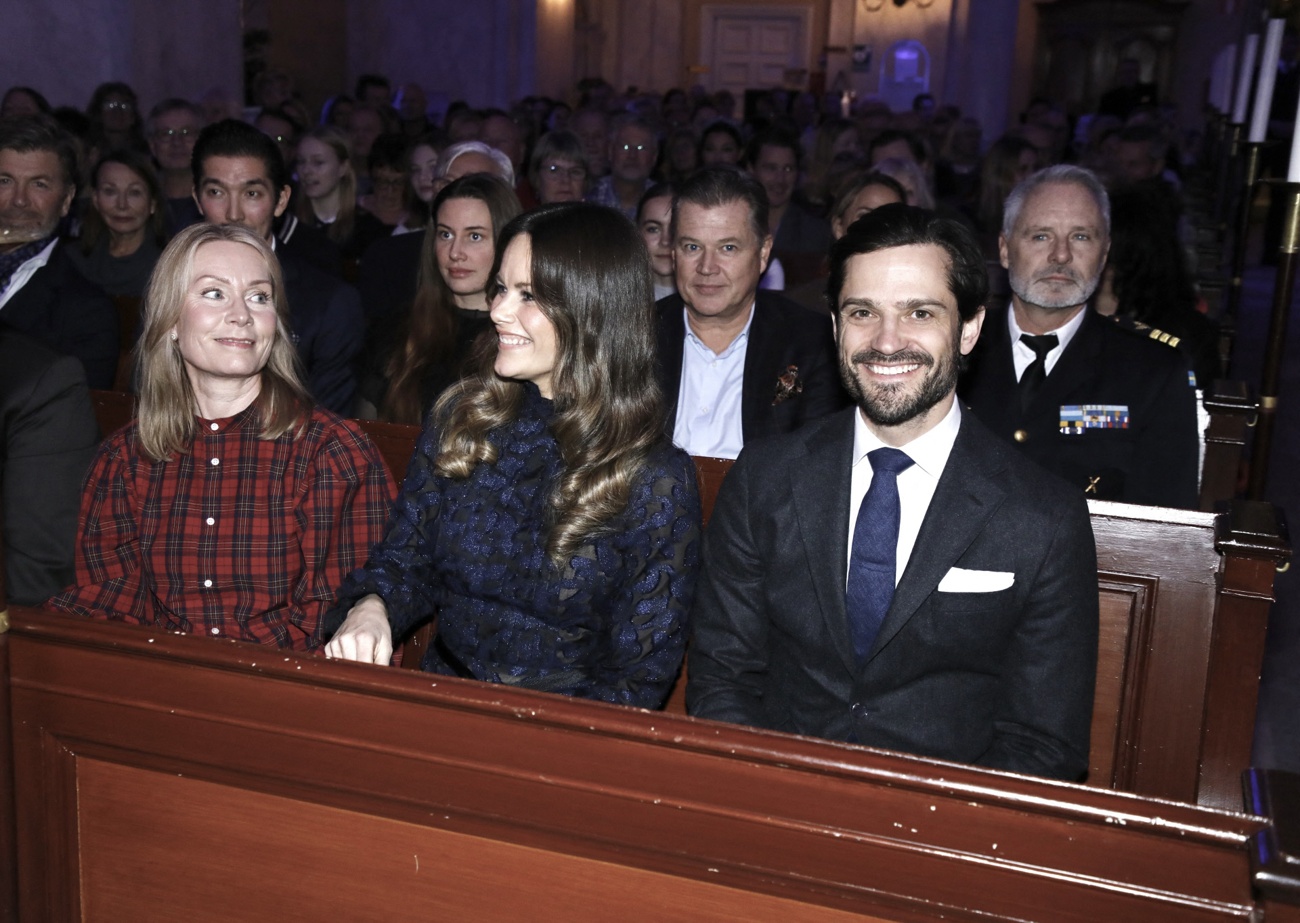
[
  {"x": 387, "y": 795},
  {"x": 1184, "y": 607},
  {"x": 1232, "y": 412}
]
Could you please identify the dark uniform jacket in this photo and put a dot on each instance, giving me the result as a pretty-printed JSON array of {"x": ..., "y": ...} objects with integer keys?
[{"x": 1116, "y": 416}]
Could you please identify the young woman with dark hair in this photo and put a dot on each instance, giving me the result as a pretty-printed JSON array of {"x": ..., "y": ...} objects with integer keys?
[{"x": 546, "y": 519}]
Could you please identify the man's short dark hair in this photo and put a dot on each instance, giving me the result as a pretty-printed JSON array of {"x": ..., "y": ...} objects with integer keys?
[
  {"x": 891, "y": 135},
  {"x": 29, "y": 133},
  {"x": 773, "y": 137},
  {"x": 898, "y": 225},
  {"x": 233, "y": 138},
  {"x": 719, "y": 185}
]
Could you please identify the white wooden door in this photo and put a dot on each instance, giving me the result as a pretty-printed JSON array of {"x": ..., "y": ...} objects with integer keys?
[{"x": 749, "y": 47}]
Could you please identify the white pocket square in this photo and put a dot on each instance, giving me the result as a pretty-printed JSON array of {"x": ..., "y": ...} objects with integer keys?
[{"x": 961, "y": 580}]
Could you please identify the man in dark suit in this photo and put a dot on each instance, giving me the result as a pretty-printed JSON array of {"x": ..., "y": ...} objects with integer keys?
[
  {"x": 735, "y": 363},
  {"x": 895, "y": 575},
  {"x": 240, "y": 178},
  {"x": 41, "y": 293},
  {"x": 47, "y": 437},
  {"x": 1107, "y": 409}
]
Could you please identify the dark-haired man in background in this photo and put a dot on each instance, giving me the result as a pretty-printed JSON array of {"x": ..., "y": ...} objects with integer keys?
[
  {"x": 735, "y": 363},
  {"x": 41, "y": 292},
  {"x": 240, "y": 178}
]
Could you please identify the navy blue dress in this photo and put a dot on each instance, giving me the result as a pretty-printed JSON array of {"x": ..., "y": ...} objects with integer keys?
[{"x": 610, "y": 625}]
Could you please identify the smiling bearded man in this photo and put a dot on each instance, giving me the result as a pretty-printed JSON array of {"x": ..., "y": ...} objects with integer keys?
[{"x": 894, "y": 575}]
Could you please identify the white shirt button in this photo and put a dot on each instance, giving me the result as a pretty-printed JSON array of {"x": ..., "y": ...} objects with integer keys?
[
  {"x": 216, "y": 461},
  {"x": 215, "y": 427},
  {"x": 216, "y": 631},
  {"x": 207, "y": 583},
  {"x": 211, "y": 521}
]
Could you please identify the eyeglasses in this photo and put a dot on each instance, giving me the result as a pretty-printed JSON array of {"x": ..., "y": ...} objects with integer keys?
[
  {"x": 574, "y": 173},
  {"x": 117, "y": 104},
  {"x": 173, "y": 134}
]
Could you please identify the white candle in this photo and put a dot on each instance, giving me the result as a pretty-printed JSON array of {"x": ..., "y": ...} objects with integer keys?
[
  {"x": 1224, "y": 65},
  {"x": 1243, "y": 78},
  {"x": 1293, "y": 170},
  {"x": 1267, "y": 77}
]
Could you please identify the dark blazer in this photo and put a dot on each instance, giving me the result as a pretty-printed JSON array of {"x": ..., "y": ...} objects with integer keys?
[
  {"x": 47, "y": 438},
  {"x": 328, "y": 329},
  {"x": 1002, "y": 679},
  {"x": 1152, "y": 461},
  {"x": 70, "y": 315},
  {"x": 388, "y": 273},
  {"x": 782, "y": 335}
]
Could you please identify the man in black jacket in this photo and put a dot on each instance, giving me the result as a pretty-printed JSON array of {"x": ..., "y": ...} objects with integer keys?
[
  {"x": 736, "y": 363},
  {"x": 1105, "y": 408}
]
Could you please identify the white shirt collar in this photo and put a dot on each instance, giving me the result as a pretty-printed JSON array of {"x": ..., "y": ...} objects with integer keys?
[
  {"x": 929, "y": 451},
  {"x": 741, "y": 337}
]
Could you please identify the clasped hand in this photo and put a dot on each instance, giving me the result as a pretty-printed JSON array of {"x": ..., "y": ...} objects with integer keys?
[{"x": 365, "y": 635}]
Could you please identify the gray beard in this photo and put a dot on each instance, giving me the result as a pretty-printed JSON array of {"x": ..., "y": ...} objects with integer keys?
[{"x": 1023, "y": 290}]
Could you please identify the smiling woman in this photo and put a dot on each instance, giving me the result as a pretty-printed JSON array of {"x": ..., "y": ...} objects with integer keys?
[
  {"x": 124, "y": 231},
  {"x": 545, "y": 518},
  {"x": 231, "y": 506}
]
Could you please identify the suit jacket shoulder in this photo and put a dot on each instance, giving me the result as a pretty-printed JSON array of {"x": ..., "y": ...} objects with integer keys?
[{"x": 61, "y": 309}]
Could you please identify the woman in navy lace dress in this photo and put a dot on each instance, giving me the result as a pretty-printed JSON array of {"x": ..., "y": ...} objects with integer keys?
[{"x": 545, "y": 519}]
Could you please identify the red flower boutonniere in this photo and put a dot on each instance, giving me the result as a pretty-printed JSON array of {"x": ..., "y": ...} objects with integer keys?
[{"x": 788, "y": 385}]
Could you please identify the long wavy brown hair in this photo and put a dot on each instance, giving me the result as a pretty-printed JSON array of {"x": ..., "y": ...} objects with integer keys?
[
  {"x": 591, "y": 278},
  {"x": 167, "y": 403},
  {"x": 432, "y": 324}
]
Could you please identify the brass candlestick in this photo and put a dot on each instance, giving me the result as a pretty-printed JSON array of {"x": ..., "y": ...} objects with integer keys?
[{"x": 1275, "y": 345}]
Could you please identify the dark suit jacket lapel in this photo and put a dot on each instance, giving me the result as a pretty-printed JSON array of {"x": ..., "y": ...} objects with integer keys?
[
  {"x": 672, "y": 340},
  {"x": 821, "y": 493},
  {"x": 966, "y": 496},
  {"x": 756, "y": 393}
]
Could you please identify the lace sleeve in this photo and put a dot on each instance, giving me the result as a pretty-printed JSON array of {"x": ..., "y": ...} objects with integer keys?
[
  {"x": 649, "y": 621},
  {"x": 401, "y": 568}
]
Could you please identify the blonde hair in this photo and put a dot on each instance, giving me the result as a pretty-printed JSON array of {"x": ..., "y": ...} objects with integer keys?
[
  {"x": 340, "y": 230},
  {"x": 167, "y": 403}
]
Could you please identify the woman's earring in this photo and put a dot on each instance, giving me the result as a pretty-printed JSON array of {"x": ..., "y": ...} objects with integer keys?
[{"x": 174, "y": 337}]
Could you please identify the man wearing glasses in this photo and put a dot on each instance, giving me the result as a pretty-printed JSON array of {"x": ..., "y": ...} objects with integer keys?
[
  {"x": 633, "y": 150},
  {"x": 172, "y": 128}
]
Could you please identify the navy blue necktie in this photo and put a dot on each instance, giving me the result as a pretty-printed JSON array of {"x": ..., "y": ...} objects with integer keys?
[{"x": 874, "y": 561}]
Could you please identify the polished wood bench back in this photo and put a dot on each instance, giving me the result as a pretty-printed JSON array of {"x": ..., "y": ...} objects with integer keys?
[{"x": 382, "y": 795}]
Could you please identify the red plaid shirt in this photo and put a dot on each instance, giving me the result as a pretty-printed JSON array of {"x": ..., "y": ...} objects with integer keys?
[{"x": 240, "y": 538}]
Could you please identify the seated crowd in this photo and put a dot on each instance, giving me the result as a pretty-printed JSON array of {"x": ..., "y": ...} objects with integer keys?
[{"x": 923, "y": 356}]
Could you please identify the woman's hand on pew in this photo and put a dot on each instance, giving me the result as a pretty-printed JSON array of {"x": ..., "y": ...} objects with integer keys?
[{"x": 365, "y": 635}]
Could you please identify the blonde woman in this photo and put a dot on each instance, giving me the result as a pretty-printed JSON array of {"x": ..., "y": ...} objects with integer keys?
[{"x": 231, "y": 507}]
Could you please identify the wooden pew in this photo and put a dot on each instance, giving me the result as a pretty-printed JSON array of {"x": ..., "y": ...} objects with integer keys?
[
  {"x": 1232, "y": 412},
  {"x": 113, "y": 410},
  {"x": 155, "y": 771}
]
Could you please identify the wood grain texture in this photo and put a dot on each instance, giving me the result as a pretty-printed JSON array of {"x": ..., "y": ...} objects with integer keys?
[{"x": 243, "y": 745}]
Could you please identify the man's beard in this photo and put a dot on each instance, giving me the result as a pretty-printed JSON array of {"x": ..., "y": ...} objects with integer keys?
[
  {"x": 890, "y": 405},
  {"x": 1044, "y": 298}
]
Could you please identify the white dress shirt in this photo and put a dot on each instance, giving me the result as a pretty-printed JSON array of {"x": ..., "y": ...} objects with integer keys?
[
  {"x": 24, "y": 272},
  {"x": 1022, "y": 355},
  {"x": 708, "y": 400},
  {"x": 929, "y": 453}
]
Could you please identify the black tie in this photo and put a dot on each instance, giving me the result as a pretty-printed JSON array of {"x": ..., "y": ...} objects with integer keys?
[
  {"x": 874, "y": 561},
  {"x": 1036, "y": 374}
]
